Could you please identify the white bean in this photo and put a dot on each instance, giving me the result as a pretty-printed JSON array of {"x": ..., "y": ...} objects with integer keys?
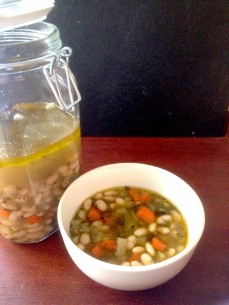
[
  {"x": 9, "y": 223},
  {"x": 152, "y": 227},
  {"x": 98, "y": 196},
  {"x": 140, "y": 232},
  {"x": 180, "y": 248},
  {"x": 82, "y": 214},
  {"x": 87, "y": 204},
  {"x": 120, "y": 201},
  {"x": 15, "y": 215},
  {"x": 20, "y": 198},
  {"x": 161, "y": 255},
  {"x": 74, "y": 165},
  {"x": 24, "y": 191},
  {"x": 57, "y": 191},
  {"x": 19, "y": 234},
  {"x": 97, "y": 223},
  {"x": 176, "y": 216},
  {"x": 85, "y": 239},
  {"x": 174, "y": 234},
  {"x": 163, "y": 230},
  {"x": 138, "y": 249},
  {"x": 37, "y": 199},
  {"x": 9, "y": 206},
  {"x": 30, "y": 208},
  {"x": 101, "y": 205},
  {"x": 113, "y": 206},
  {"x": 82, "y": 247},
  {"x": 150, "y": 249},
  {"x": 44, "y": 188},
  {"x": 35, "y": 229},
  {"x": 125, "y": 264},
  {"x": 131, "y": 241},
  {"x": 67, "y": 173},
  {"x": 104, "y": 228},
  {"x": 28, "y": 214},
  {"x": 109, "y": 198},
  {"x": 3, "y": 199},
  {"x": 146, "y": 259},
  {"x": 171, "y": 252},
  {"x": 162, "y": 220},
  {"x": 52, "y": 179},
  {"x": 10, "y": 190},
  {"x": 110, "y": 193},
  {"x": 135, "y": 263},
  {"x": 62, "y": 169}
]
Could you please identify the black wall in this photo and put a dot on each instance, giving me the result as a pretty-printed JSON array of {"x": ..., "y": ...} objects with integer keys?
[{"x": 148, "y": 68}]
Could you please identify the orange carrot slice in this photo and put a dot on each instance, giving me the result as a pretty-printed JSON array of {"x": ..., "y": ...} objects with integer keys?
[
  {"x": 94, "y": 214},
  {"x": 97, "y": 251},
  {"x": 32, "y": 219},
  {"x": 158, "y": 244},
  {"x": 146, "y": 214},
  {"x": 109, "y": 244},
  {"x": 134, "y": 194},
  {"x": 4, "y": 213},
  {"x": 135, "y": 257},
  {"x": 145, "y": 198}
]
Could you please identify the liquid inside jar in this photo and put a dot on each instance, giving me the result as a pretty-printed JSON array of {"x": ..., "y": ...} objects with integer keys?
[{"x": 40, "y": 155}]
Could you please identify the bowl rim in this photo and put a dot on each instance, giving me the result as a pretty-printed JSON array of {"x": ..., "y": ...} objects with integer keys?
[{"x": 189, "y": 249}]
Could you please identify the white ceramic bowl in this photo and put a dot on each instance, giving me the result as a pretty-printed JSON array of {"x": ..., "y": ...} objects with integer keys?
[{"x": 141, "y": 175}]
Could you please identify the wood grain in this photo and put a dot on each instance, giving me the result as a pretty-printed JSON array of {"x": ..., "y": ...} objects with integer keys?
[{"x": 43, "y": 273}]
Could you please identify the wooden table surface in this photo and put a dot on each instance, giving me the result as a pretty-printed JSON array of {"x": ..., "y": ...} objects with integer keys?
[{"x": 43, "y": 273}]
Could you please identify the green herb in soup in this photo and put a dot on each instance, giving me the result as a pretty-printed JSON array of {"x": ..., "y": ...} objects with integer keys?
[{"x": 129, "y": 226}]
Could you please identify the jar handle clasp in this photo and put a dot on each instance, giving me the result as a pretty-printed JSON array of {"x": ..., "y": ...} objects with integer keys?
[{"x": 59, "y": 62}]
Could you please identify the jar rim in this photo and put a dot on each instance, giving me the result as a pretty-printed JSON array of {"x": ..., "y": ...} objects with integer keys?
[{"x": 28, "y": 43}]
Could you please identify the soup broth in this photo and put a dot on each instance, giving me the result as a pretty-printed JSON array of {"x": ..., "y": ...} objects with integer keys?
[{"x": 129, "y": 226}]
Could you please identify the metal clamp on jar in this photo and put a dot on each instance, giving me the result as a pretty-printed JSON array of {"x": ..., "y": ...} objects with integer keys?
[{"x": 40, "y": 147}]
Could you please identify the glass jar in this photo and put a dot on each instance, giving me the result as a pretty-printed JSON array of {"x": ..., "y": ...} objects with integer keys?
[{"x": 40, "y": 147}]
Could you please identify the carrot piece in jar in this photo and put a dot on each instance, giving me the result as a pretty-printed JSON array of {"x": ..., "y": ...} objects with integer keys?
[
  {"x": 146, "y": 214},
  {"x": 94, "y": 214},
  {"x": 158, "y": 244},
  {"x": 4, "y": 213},
  {"x": 32, "y": 219}
]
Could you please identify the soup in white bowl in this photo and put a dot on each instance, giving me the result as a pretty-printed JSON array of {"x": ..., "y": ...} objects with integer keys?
[{"x": 152, "y": 178}]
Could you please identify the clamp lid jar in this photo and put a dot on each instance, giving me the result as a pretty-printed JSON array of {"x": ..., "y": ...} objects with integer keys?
[{"x": 40, "y": 143}]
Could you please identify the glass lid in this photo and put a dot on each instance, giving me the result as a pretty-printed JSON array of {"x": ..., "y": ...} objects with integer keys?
[{"x": 17, "y": 13}]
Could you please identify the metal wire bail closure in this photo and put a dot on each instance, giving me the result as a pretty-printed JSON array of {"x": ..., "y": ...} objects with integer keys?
[{"x": 60, "y": 61}]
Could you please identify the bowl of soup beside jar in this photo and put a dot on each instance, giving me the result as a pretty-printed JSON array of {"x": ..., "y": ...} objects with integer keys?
[{"x": 130, "y": 226}]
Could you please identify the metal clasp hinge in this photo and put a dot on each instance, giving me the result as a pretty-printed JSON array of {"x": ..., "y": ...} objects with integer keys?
[{"x": 56, "y": 82}]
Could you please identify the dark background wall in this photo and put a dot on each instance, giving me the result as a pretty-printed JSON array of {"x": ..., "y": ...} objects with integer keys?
[{"x": 148, "y": 68}]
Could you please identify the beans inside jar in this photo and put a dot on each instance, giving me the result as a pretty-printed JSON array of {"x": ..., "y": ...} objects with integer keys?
[{"x": 129, "y": 226}]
